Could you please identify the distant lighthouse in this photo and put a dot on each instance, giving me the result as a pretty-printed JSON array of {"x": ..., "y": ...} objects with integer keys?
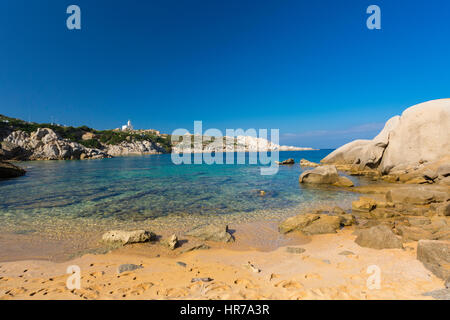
[{"x": 128, "y": 126}]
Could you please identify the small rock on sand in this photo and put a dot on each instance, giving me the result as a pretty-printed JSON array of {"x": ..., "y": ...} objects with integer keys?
[
  {"x": 442, "y": 294},
  {"x": 212, "y": 233},
  {"x": 128, "y": 267},
  {"x": 346, "y": 253},
  {"x": 295, "y": 250},
  {"x": 201, "y": 280},
  {"x": 127, "y": 237},
  {"x": 172, "y": 242}
]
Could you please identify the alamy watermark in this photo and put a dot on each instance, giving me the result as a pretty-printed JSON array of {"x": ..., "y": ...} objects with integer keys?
[{"x": 374, "y": 280}]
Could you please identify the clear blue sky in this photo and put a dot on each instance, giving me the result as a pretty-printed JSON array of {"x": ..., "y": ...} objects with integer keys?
[{"x": 310, "y": 68}]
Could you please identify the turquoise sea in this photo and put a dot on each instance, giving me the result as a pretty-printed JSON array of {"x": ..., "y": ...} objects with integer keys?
[{"x": 61, "y": 198}]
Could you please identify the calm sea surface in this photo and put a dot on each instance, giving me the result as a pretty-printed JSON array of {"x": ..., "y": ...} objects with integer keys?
[{"x": 63, "y": 197}]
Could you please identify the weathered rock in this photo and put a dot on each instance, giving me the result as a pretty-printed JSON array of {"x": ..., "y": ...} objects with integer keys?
[
  {"x": 295, "y": 250},
  {"x": 128, "y": 237},
  {"x": 379, "y": 213},
  {"x": 338, "y": 210},
  {"x": 346, "y": 253},
  {"x": 444, "y": 181},
  {"x": 444, "y": 209},
  {"x": 172, "y": 242},
  {"x": 212, "y": 233},
  {"x": 44, "y": 144},
  {"x": 320, "y": 175},
  {"x": 8, "y": 170},
  {"x": 347, "y": 219},
  {"x": 417, "y": 180},
  {"x": 297, "y": 223},
  {"x": 343, "y": 182},
  {"x": 312, "y": 224},
  {"x": 413, "y": 233},
  {"x": 128, "y": 267},
  {"x": 133, "y": 148},
  {"x": 430, "y": 174},
  {"x": 306, "y": 163},
  {"x": 324, "y": 175},
  {"x": 443, "y": 170},
  {"x": 88, "y": 136},
  {"x": 10, "y": 151},
  {"x": 288, "y": 161},
  {"x": 197, "y": 247},
  {"x": 364, "y": 204},
  {"x": 201, "y": 279},
  {"x": 325, "y": 224},
  {"x": 378, "y": 237},
  {"x": 416, "y": 195},
  {"x": 435, "y": 256},
  {"x": 420, "y": 135}
]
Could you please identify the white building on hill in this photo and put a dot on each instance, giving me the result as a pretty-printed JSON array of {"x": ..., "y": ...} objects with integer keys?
[{"x": 128, "y": 126}]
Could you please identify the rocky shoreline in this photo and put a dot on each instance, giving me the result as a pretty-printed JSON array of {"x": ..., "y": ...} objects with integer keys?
[{"x": 400, "y": 224}]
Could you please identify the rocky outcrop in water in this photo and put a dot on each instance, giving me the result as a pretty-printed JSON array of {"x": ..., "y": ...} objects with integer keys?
[
  {"x": 8, "y": 170},
  {"x": 45, "y": 144},
  {"x": 286, "y": 162},
  {"x": 325, "y": 175},
  {"x": 419, "y": 137}
]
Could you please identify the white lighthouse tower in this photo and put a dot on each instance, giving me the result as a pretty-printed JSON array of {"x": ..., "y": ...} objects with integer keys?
[{"x": 128, "y": 126}]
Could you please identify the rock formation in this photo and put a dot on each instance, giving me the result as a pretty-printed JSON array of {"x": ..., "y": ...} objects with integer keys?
[
  {"x": 421, "y": 135},
  {"x": 45, "y": 144},
  {"x": 8, "y": 170},
  {"x": 325, "y": 175}
]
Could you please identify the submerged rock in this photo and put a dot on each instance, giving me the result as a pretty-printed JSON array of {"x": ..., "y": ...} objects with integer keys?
[
  {"x": 306, "y": 163},
  {"x": 128, "y": 237},
  {"x": 435, "y": 256},
  {"x": 212, "y": 233},
  {"x": 8, "y": 170},
  {"x": 288, "y": 161},
  {"x": 378, "y": 237}
]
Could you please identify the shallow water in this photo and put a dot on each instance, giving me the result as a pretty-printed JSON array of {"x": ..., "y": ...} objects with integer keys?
[{"x": 61, "y": 198}]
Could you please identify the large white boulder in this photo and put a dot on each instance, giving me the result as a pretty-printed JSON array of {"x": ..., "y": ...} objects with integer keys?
[{"x": 420, "y": 134}]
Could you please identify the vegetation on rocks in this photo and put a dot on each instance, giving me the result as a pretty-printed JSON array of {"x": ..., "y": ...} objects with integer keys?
[{"x": 75, "y": 134}]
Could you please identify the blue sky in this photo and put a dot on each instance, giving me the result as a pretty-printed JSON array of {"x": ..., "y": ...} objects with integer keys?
[{"x": 310, "y": 68}]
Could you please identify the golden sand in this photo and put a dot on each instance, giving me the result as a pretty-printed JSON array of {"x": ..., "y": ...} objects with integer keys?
[{"x": 322, "y": 271}]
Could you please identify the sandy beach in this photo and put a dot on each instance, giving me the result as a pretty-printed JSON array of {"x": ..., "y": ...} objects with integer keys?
[{"x": 332, "y": 266}]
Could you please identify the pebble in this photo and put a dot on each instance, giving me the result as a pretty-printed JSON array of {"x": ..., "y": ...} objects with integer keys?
[{"x": 128, "y": 267}]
